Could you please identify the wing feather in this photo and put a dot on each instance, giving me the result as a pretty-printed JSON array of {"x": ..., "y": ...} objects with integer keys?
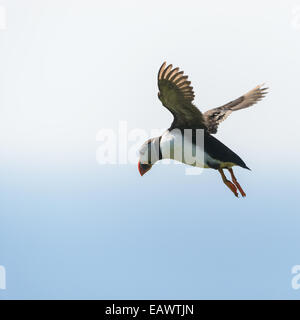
[
  {"x": 177, "y": 95},
  {"x": 215, "y": 116},
  {"x": 172, "y": 72}
]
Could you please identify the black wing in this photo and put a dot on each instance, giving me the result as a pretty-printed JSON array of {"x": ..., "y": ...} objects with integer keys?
[{"x": 177, "y": 95}]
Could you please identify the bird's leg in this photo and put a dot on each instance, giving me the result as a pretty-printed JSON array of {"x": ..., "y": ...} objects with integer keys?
[
  {"x": 228, "y": 183},
  {"x": 236, "y": 183}
]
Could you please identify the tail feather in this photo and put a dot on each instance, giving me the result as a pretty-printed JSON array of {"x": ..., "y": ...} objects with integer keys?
[{"x": 217, "y": 150}]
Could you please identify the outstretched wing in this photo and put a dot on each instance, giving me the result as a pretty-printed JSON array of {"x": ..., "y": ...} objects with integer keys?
[
  {"x": 215, "y": 116},
  {"x": 177, "y": 95}
]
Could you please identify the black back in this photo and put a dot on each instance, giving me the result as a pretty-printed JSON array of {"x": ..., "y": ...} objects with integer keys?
[{"x": 217, "y": 150}]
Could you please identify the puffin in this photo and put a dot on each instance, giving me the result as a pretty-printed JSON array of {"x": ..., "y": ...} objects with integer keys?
[{"x": 177, "y": 95}]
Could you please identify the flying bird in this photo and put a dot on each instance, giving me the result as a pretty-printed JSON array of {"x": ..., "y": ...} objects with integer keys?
[{"x": 177, "y": 95}]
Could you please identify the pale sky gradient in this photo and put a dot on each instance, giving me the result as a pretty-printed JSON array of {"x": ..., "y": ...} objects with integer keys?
[{"x": 71, "y": 228}]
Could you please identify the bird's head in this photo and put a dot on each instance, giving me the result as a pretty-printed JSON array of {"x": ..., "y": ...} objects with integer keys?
[{"x": 149, "y": 154}]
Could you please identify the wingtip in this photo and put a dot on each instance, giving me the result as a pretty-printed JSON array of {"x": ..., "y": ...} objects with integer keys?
[
  {"x": 262, "y": 87},
  {"x": 161, "y": 70}
]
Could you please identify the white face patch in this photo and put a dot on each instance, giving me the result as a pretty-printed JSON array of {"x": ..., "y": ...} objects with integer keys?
[
  {"x": 149, "y": 151},
  {"x": 143, "y": 148}
]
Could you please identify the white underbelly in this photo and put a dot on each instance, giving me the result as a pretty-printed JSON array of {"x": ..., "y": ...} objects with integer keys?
[{"x": 172, "y": 148}]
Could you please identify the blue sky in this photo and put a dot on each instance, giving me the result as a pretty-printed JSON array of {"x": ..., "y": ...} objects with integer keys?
[{"x": 71, "y": 228}]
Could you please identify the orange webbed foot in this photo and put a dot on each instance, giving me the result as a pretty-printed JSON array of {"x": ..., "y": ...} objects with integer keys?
[
  {"x": 232, "y": 187},
  {"x": 236, "y": 183},
  {"x": 240, "y": 189},
  {"x": 229, "y": 184}
]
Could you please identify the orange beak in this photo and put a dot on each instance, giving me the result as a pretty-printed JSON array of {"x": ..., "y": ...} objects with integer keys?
[{"x": 143, "y": 168}]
